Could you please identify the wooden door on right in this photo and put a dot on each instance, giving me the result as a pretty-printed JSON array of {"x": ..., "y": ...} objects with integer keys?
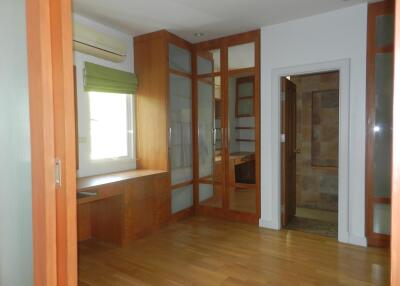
[{"x": 288, "y": 151}]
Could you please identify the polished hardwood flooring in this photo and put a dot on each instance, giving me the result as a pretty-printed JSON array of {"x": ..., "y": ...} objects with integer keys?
[{"x": 205, "y": 251}]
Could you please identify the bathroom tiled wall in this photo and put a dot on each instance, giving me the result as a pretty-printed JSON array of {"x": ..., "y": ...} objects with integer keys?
[{"x": 316, "y": 187}]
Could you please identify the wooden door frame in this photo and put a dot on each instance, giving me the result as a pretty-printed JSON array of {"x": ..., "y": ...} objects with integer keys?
[
  {"x": 395, "y": 230},
  {"x": 49, "y": 40},
  {"x": 343, "y": 66}
]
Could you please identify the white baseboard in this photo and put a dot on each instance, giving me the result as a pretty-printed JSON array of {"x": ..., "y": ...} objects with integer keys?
[
  {"x": 268, "y": 224},
  {"x": 358, "y": 240}
]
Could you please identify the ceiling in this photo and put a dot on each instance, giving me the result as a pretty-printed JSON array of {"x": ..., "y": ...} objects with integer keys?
[{"x": 214, "y": 18}]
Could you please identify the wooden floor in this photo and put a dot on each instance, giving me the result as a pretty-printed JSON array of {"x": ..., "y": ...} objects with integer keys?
[{"x": 204, "y": 251}]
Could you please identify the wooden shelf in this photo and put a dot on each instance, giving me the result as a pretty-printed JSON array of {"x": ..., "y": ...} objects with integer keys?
[
  {"x": 245, "y": 127},
  {"x": 245, "y": 140}
]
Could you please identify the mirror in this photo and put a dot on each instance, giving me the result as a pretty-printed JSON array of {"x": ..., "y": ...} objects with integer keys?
[
  {"x": 242, "y": 175},
  {"x": 209, "y": 141}
]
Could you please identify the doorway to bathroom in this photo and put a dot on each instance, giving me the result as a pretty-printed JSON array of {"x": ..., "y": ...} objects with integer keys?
[{"x": 310, "y": 152}]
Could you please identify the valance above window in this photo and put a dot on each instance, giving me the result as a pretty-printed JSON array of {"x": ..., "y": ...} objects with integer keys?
[{"x": 103, "y": 79}]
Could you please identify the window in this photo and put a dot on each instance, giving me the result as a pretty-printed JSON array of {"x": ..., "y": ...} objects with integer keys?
[
  {"x": 107, "y": 133},
  {"x": 110, "y": 126}
]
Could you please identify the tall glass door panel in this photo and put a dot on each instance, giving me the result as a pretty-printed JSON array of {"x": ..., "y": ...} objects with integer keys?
[
  {"x": 210, "y": 141},
  {"x": 180, "y": 137}
]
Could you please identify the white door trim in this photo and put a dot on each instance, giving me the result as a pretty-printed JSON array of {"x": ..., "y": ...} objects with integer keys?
[{"x": 343, "y": 66}]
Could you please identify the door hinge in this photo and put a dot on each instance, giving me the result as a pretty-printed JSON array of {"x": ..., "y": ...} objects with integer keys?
[{"x": 58, "y": 174}]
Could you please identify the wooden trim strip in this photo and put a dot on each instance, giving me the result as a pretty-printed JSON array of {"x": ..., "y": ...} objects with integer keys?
[
  {"x": 243, "y": 71},
  {"x": 42, "y": 142},
  {"x": 180, "y": 73},
  {"x": 207, "y": 75},
  {"x": 382, "y": 200},
  {"x": 181, "y": 185},
  {"x": 176, "y": 217}
]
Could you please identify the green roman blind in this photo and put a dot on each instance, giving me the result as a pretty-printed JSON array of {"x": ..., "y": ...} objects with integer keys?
[{"x": 103, "y": 79}]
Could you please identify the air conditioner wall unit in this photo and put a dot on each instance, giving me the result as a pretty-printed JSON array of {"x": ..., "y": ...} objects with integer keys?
[{"x": 89, "y": 41}]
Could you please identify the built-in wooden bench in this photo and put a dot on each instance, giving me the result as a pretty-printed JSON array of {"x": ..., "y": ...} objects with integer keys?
[{"x": 121, "y": 207}]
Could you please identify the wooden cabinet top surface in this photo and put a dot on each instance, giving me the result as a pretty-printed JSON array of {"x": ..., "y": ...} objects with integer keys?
[{"x": 86, "y": 183}]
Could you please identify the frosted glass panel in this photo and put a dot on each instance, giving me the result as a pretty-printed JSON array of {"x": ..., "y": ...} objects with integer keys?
[
  {"x": 384, "y": 30},
  {"x": 182, "y": 198},
  {"x": 206, "y": 192},
  {"x": 15, "y": 167},
  {"x": 180, "y": 142},
  {"x": 245, "y": 107},
  {"x": 208, "y": 61},
  {"x": 246, "y": 89},
  {"x": 382, "y": 218},
  {"x": 210, "y": 195},
  {"x": 241, "y": 56},
  {"x": 383, "y": 124},
  {"x": 205, "y": 127},
  {"x": 180, "y": 59}
]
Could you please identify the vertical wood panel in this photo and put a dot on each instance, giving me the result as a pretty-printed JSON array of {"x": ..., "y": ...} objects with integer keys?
[
  {"x": 42, "y": 143},
  {"x": 65, "y": 144},
  {"x": 151, "y": 67}
]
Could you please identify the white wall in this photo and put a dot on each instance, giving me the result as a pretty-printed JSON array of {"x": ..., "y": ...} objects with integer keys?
[
  {"x": 83, "y": 101},
  {"x": 16, "y": 267},
  {"x": 337, "y": 35}
]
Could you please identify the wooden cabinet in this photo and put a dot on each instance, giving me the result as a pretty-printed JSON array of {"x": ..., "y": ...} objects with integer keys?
[
  {"x": 184, "y": 87},
  {"x": 163, "y": 64},
  {"x": 124, "y": 210}
]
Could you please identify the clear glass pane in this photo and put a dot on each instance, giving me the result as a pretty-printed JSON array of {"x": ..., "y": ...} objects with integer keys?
[
  {"x": 241, "y": 56},
  {"x": 384, "y": 30},
  {"x": 15, "y": 170},
  {"x": 210, "y": 136},
  {"x": 383, "y": 125},
  {"x": 382, "y": 218},
  {"x": 109, "y": 124},
  {"x": 180, "y": 129},
  {"x": 180, "y": 59},
  {"x": 182, "y": 198},
  {"x": 208, "y": 61},
  {"x": 242, "y": 200},
  {"x": 241, "y": 144}
]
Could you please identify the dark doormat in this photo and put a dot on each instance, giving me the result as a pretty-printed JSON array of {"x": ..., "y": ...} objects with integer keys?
[{"x": 313, "y": 226}]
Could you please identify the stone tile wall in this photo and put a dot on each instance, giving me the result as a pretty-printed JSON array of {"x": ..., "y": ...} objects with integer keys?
[{"x": 317, "y": 187}]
